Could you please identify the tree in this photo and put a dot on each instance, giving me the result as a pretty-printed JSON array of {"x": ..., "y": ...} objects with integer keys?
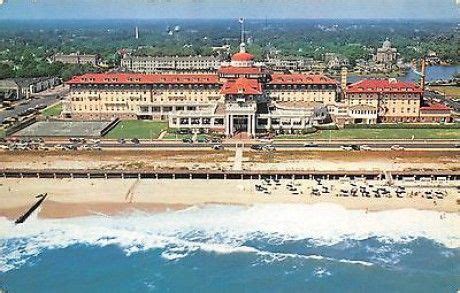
[{"x": 6, "y": 71}]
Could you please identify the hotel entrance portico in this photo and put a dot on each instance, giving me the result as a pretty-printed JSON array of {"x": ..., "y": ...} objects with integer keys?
[{"x": 237, "y": 123}]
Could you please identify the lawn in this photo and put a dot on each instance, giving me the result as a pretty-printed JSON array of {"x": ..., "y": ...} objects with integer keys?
[
  {"x": 2, "y": 133},
  {"x": 453, "y": 91},
  {"x": 54, "y": 110},
  {"x": 137, "y": 129},
  {"x": 380, "y": 134}
]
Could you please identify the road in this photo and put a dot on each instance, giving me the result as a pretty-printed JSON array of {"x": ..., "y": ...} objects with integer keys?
[
  {"x": 380, "y": 145},
  {"x": 47, "y": 97},
  {"x": 47, "y": 100}
]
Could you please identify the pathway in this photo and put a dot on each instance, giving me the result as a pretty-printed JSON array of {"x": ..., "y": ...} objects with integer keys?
[{"x": 238, "y": 161}]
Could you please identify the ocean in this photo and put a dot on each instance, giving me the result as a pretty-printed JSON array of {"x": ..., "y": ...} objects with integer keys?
[{"x": 215, "y": 248}]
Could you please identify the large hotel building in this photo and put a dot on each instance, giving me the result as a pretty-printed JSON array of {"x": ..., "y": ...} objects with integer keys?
[{"x": 244, "y": 99}]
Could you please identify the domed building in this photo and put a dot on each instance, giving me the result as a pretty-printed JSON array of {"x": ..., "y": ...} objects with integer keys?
[
  {"x": 386, "y": 57},
  {"x": 242, "y": 64},
  {"x": 242, "y": 58}
]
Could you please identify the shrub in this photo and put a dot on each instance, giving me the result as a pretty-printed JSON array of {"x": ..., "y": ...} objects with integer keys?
[{"x": 403, "y": 126}]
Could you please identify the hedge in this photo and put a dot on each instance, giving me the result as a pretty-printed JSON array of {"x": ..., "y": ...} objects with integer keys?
[{"x": 403, "y": 126}]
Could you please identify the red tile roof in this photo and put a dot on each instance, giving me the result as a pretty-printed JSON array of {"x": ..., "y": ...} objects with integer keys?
[
  {"x": 241, "y": 70},
  {"x": 434, "y": 107},
  {"x": 242, "y": 86},
  {"x": 137, "y": 78},
  {"x": 301, "y": 79},
  {"x": 242, "y": 56},
  {"x": 383, "y": 86}
]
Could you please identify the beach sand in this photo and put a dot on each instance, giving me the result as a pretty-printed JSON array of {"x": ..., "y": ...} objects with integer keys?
[
  {"x": 252, "y": 160},
  {"x": 80, "y": 197}
]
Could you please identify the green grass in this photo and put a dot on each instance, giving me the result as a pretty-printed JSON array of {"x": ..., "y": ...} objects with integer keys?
[
  {"x": 137, "y": 129},
  {"x": 380, "y": 134},
  {"x": 2, "y": 133},
  {"x": 173, "y": 135},
  {"x": 54, "y": 110}
]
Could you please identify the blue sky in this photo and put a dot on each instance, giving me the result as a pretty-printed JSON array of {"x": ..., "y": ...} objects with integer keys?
[{"x": 152, "y": 9}]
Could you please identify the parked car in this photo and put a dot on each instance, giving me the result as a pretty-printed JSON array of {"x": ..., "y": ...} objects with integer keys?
[
  {"x": 397, "y": 148},
  {"x": 346, "y": 148},
  {"x": 269, "y": 147},
  {"x": 365, "y": 148},
  {"x": 256, "y": 147},
  {"x": 187, "y": 140},
  {"x": 135, "y": 141},
  {"x": 217, "y": 147},
  {"x": 311, "y": 145},
  {"x": 183, "y": 131},
  {"x": 59, "y": 147},
  {"x": 121, "y": 141}
]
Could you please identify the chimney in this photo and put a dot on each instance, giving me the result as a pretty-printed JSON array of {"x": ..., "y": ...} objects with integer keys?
[
  {"x": 343, "y": 80},
  {"x": 423, "y": 76}
]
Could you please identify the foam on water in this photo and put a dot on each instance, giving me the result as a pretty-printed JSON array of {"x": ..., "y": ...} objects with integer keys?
[{"x": 226, "y": 230}]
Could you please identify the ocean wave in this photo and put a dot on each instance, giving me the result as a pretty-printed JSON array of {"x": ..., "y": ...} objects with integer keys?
[{"x": 226, "y": 230}]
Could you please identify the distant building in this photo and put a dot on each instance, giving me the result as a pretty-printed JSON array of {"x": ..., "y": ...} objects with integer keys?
[
  {"x": 12, "y": 89},
  {"x": 386, "y": 57},
  {"x": 384, "y": 100},
  {"x": 293, "y": 63},
  {"x": 76, "y": 58},
  {"x": 152, "y": 64},
  {"x": 335, "y": 61}
]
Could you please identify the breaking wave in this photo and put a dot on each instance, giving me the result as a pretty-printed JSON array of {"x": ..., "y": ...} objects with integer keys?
[{"x": 233, "y": 230}]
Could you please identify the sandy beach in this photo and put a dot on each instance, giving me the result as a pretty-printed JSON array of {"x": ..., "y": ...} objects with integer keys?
[{"x": 80, "y": 197}]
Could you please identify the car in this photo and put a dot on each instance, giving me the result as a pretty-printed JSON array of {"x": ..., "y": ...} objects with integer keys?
[
  {"x": 9, "y": 108},
  {"x": 217, "y": 147},
  {"x": 256, "y": 147},
  {"x": 40, "y": 106},
  {"x": 42, "y": 148},
  {"x": 77, "y": 140},
  {"x": 397, "y": 148},
  {"x": 310, "y": 145},
  {"x": 121, "y": 141},
  {"x": 72, "y": 147},
  {"x": 346, "y": 148},
  {"x": 59, "y": 147},
  {"x": 269, "y": 147},
  {"x": 85, "y": 147},
  {"x": 365, "y": 148},
  {"x": 187, "y": 140},
  {"x": 135, "y": 141},
  {"x": 355, "y": 147},
  {"x": 183, "y": 131},
  {"x": 203, "y": 140},
  {"x": 457, "y": 145}
]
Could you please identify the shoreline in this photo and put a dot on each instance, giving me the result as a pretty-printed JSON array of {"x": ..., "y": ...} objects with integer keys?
[{"x": 84, "y": 197}]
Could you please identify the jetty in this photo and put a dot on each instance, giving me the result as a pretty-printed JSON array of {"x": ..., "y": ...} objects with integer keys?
[{"x": 27, "y": 214}]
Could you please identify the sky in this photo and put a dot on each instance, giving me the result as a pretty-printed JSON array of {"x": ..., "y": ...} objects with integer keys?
[{"x": 218, "y": 9}]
